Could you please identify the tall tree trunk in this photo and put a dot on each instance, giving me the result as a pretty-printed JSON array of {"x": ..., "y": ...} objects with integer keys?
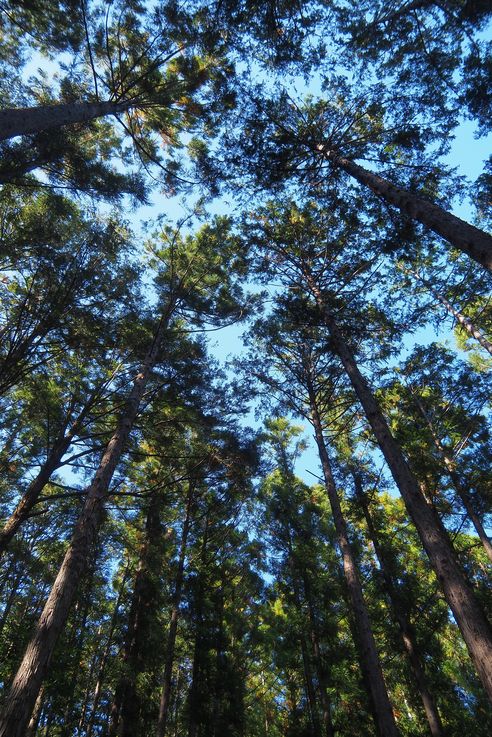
[
  {"x": 463, "y": 320},
  {"x": 455, "y": 479},
  {"x": 467, "y": 611},
  {"x": 195, "y": 693},
  {"x": 173, "y": 623},
  {"x": 11, "y": 598},
  {"x": 21, "y": 698},
  {"x": 383, "y": 712},
  {"x": 106, "y": 653},
  {"x": 471, "y": 240},
  {"x": 401, "y": 615},
  {"x": 315, "y": 641},
  {"x": 308, "y": 676},
  {"x": 22, "y": 121},
  {"x": 143, "y": 610}
]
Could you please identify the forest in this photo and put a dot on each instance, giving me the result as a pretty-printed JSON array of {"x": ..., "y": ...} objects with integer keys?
[{"x": 245, "y": 349}]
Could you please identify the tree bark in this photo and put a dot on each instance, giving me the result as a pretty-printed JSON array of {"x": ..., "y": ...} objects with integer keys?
[
  {"x": 471, "y": 240},
  {"x": 466, "y": 609},
  {"x": 464, "y": 321},
  {"x": 23, "y": 121},
  {"x": 383, "y": 712},
  {"x": 173, "y": 624},
  {"x": 401, "y": 616},
  {"x": 21, "y": 698}
]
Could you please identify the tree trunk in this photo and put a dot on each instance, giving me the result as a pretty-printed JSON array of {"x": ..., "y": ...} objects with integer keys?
[
  {"x": 308, "y": 676},
  {"x": 23, "y": 121},
  {"x": 401, "y": 616},
  {"x": 105, "y": 655},
  {"x": 196, "y": 687},
  {"x": 143, "y": 610},
  {"x": 383, "y": 712},
  {"x": 322, "y": 679},
  {"x": 53, "y": 461},
  {"x": 464, "y": 321},
  {"x": 173, "y": 624},
  {"x": 458, "y": 593},
  {"x": 471, "y": 240},
  {"x": 21, "y": 698},
  {"x": 456, "y": 481}
]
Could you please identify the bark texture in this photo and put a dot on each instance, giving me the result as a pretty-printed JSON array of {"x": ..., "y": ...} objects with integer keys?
[
  {"x": 20, "y": 701},
  {"x": 471, "y": 240},
  {"x": 467, "y": 611},
  {"x": 23, "y": 121},
  {"x": 383, "y": 712}
]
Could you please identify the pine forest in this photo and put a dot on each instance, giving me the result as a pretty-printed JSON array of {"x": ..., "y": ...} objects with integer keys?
[{"x": 245, "y": 349}]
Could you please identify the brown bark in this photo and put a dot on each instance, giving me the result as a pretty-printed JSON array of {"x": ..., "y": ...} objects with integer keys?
[
  {"x": 21, "y": 698},
  {"x": 456, "y": 481},
  {"x": 23, "y": 121},
  {"x": 401, "y": 615},
  {"x": 467, "y": 611},
  {"x": 173, "y": 623},
  {"x": 463, "y": 320},
  {"x": 467, "y": 238},
  {"x": 371, "y": 666}
]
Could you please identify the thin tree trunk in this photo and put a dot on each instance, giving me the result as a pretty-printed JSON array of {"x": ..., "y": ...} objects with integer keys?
[
  {"x": 36, "y": 715},
  {"x": 458, "y": 592},
  {"x": 464, "y": 321},
  {"x": 471, "y": 240},
  {"x": 143, "y": 610},
  {"x": 322, "y": 680},
  {"x": 173, "y": 624},
  {"x": 10, "y": 601},
  {"x": 21, "y": 698},
  {"x": 308, "y": 676},
  {"x": 23, "y": 121},
  {"x": 195, "y": 694},
  {"x": 33, "y": 491},
  {"x": 456, "y": 481},
  {"x": 106, "y": 652},
  {"x": 401, "y": 615},
  {"x": 383, "y": 712}
]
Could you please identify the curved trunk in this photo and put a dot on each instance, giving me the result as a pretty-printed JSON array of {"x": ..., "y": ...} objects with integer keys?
[
  {"x": 467, "y": 611},
  {"x": 23, "y": 121},
  {"x": 471, "y": 240},
  {"x": 21, "y": 698},
  {"x": 371, "y": 666}
]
